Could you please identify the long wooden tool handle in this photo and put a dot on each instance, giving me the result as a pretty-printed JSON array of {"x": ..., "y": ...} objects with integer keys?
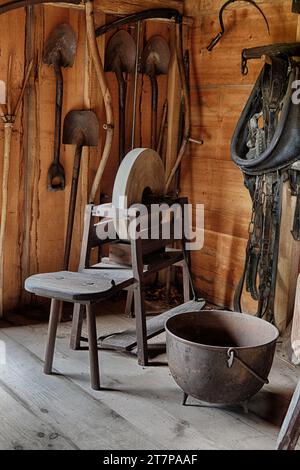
[
  {"x": 187, "y": 104},
  {"x": 58, "y": 112},
  {"x": 154, "y": 100},
  {"x": 7, "y": 147},
  {"x": 72, "y": 206},
  {"x": 109, "y": 127},
  {"x": 26, "y": 78},
  {"x": 162, "y": 127},
  {"x": 8, "y": 97},
  {"x": 122, "y": 104}
]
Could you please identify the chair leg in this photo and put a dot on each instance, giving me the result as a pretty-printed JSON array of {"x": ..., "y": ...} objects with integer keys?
[
  {"x": 76, "y": 331},
  {"x": 129, "y": 310},
  {"x": 141, "y": 327},
  {"x": 93, "y": 348},
  {"x": 55, "y": 312}
]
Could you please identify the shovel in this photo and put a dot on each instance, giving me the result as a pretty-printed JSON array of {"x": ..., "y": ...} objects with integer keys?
[
  {"x": 59, "y": 51},
  {"x": 155, "y": 61},
  {"x": 120, "y": 58},
  {"x": 81, "y": 128}
]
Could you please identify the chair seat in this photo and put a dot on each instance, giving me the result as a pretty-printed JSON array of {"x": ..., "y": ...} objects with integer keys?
[{"x": 86, "y": 286}]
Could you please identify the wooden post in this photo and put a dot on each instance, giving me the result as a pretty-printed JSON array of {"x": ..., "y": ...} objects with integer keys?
[
  {"x": 295, "y": 338},
  {"x": 31, "y": 163},
  {"x": 288, "y": 263},
  {"x": 289, "y": 258}
]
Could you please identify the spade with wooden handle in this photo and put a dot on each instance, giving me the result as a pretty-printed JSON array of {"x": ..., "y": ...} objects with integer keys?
[
  {"x": 8, "y": 116},
  {"x": 120, "y": 58},
  {"x": 81, "y": 128},
  {"x": 59, "y": 52},
  {"x": 155, "y": 61}
]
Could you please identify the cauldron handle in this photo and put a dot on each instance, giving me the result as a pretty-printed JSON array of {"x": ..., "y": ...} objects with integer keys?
[{"x": 232, "y": 355}]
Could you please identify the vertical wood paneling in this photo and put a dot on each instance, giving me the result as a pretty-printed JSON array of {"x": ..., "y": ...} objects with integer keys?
[
  {"x": 12, "y": 26},
  {"x": 219, "y": 92},
  {"x": 37, "y": 218}
]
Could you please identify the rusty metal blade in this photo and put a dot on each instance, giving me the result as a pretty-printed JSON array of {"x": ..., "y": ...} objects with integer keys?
[
  {"x": 60, "y": 46},
  {"x": 81, "y": 127},
  {"x": 156, "y": 56},
  {"x": 120, "y": 53}
]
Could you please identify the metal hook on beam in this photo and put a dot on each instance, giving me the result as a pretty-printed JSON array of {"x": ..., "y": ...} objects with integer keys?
[{"x": 217, "y": 38}]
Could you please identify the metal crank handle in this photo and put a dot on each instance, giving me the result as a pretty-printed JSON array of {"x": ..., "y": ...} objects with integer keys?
[
  {"x": 232, "y": 356},
  {"x": 196, "y": 141}
]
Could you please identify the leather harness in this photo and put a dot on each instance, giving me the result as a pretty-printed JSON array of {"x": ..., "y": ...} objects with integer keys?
[{"x": 265, "y": 146}]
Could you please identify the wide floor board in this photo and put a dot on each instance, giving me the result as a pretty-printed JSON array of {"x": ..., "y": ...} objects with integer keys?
[{"x": 138, "y": 408}]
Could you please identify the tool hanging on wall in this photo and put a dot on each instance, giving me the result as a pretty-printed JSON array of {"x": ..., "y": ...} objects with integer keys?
[
  {"x": 296, "y": 6},
  {"x": 81, "y": 128},
  {"x": 171, "y": 15},
  {"x": 120, "y": 58},
  {"x": 181, "y": 118},
  {"x": 59, "y": 51},
  {"x": 8, "y": 116},
  {"x": 135, "y": 81},
  {"x": 217, "y": 38},
  {"x": 265, "y": 146},
  {"x": 155, "y": 61},
  {"x": 163, "y": 125},
  {"x": 109, "y": 126}
]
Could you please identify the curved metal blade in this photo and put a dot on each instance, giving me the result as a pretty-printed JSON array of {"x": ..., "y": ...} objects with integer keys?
[
  {"x": 120, "y": 53},
  {"x": 81, "y": 127},
  {"x": 156, "y": 56},
  {"x": 60, "y": 46}
]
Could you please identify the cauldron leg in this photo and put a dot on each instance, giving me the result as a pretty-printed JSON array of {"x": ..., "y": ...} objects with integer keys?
[
  {"x": 185, "y": 397},
  {"x": 245, "y": 406}
]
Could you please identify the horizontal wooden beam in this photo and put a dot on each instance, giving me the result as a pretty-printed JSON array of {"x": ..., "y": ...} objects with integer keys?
[{"x": 115, "y": 7}]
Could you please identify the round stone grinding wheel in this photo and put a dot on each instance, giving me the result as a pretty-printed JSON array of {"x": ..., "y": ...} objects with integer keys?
[{"x": 141, "y": 171}]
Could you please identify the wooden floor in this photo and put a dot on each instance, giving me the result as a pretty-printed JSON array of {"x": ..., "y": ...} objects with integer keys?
[{"x": 140, "y": 408}]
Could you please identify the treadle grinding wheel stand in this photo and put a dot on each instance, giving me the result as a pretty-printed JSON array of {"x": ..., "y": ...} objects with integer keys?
[
  {"x": 140, "y": 174},
  {"x": 140, "y": 170}
]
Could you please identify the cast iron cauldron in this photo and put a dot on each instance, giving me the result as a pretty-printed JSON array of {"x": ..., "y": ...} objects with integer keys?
[{"x": 220, "y": 357}]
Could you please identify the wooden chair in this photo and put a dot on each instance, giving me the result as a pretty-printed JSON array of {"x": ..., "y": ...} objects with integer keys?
[
  {"x": 96, "y": 282},
  {"x": 84, "y": 289}
]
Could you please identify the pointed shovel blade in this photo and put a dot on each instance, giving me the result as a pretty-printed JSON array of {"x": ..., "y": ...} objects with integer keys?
[
  {"x": 156, "y": 56},
  {"x": 60, "y": 46},
  {"x": 120, "y": 53},
  {"x": 81, "y": 127}
]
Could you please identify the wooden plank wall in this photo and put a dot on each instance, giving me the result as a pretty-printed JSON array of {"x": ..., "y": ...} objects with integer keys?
[
  {"x": 12, "y": 255},
  {"x": 219, "y": 92},
  {"x": 37, "y": 218}
]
